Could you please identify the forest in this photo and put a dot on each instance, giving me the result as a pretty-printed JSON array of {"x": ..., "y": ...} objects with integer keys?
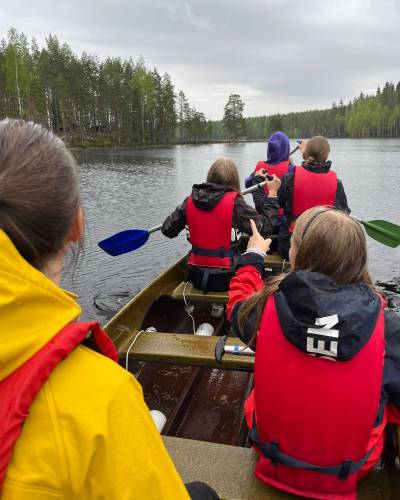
[
  {"x": 375, "y": 115},
  {"x": 90, "y": 102}
]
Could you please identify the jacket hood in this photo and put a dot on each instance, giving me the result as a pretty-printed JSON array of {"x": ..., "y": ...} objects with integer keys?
[
  {"x": 32, "y": 308},
  {"x": 308, "y": 300},
  {"x": 207, "y": 195},
  {"x": 278, "y": 148}
]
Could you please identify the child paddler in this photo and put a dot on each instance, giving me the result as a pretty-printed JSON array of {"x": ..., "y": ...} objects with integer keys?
[
  {"x": 216, "y": 215},
  {"x": 73, "y": 423},
  {"x": 277, "y": 163},
  {"x": 327, "y": 362},
  {"x": 311, "y": 184}
]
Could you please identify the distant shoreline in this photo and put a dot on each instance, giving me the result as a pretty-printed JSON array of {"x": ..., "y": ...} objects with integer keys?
[
  {"x": 116, "y": 148},
  {"x": 158, "y": 146}
]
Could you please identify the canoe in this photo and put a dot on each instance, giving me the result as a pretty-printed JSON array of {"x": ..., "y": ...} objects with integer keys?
[{"x": 205, "y": 431}]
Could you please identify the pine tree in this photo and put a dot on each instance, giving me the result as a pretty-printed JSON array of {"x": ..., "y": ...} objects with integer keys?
[{"x": 233, "y": 117}]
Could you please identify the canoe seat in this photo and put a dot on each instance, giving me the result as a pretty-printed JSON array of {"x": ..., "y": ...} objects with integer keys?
[
  {"x": 229, "y": 470},
  {"x": 185, "y": 349},
  {"x": 273, "y": 261},
  {"x": 192, "y": 293}
]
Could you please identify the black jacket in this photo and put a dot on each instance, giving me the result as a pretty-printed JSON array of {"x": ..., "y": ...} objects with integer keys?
[
  {"x": 303, "y": 296},
  {"x": 206, "y": 196}
]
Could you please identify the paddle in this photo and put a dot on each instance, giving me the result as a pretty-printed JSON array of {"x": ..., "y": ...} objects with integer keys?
[
  {"x": 383, "y": 231},
  {"x": 132, "y": 239}
]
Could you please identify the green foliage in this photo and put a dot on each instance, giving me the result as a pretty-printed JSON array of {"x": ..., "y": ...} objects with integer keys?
[
  {"x": 87, "y": 101},
  {"x": 233, "y": 117},
  {"x": 192, "y": 125},
  {"x": 366, "y": 116}
]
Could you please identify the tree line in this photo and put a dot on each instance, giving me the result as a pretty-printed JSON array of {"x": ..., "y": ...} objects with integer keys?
[
  {"x": 123, "y": 102},
  {"x": 92, "y": 102},
  {"x": 374, "y": 115}
]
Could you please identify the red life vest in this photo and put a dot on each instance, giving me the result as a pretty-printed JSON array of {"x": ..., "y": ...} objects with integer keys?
[
  {"x": 313, "y": 416},
  {"x": 280, "y": 169},
  {"x": 210, "y": 233},
  {"x": 18, "y": 390},
  {"x": 311, "y": 189}
]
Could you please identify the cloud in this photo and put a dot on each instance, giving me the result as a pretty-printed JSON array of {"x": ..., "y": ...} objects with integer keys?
[
  {"x": 182, "y": 13},
  {"x": 280, "y": 55}
]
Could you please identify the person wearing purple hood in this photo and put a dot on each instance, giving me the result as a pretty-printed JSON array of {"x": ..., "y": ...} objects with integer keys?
[{"x": 277, "y": 162}]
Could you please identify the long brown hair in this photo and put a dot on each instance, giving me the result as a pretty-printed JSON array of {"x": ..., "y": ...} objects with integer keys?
[
  {"x": 317, "y": 150},
  {"x": 224, "y": 172},
  {"x": 39, "y": 194},
  {"x": 326, "y": 241}
]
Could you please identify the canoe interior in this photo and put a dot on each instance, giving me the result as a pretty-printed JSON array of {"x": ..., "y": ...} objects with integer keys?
[
  {"x": 169, "y": 315},
  {"x": 200, "y": 403}
]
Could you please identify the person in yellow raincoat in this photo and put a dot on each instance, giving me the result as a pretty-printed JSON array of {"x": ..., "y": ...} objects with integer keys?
[{"x": 88, "y": 434}]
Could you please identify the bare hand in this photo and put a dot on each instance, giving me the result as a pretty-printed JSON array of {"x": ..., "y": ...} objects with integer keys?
[
  {"x": 273, "y": 186},
  {"x": 256, "y": 240}
]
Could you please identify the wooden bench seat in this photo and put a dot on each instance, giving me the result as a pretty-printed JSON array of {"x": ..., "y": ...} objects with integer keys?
[
  {"x": 229, "y": 470},
  {"x": 193, "y": 293},
  {"x": 186, "y": 349},
  {"x": 273, "y": 261}
]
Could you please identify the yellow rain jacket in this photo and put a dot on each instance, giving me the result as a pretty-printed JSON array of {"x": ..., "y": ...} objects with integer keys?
[{"x": 89, "y": 434}]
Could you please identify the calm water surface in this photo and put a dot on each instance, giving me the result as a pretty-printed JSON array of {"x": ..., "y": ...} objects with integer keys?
[{"x": 139, "y": 188}]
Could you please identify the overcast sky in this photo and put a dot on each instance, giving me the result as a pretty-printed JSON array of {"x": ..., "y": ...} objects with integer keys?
[{"x": 279, "y": 55}]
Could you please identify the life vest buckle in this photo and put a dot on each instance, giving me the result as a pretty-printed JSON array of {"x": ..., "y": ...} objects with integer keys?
[
  {"x": 273, "y": 452},
  {"x": 345, "y": 470}
]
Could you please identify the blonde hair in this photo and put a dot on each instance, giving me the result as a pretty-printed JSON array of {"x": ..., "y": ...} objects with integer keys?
[
  {"x": 224, "y": 172},
  {"x": 326, "y": 241},
  {"x": 317, "y": 150}
]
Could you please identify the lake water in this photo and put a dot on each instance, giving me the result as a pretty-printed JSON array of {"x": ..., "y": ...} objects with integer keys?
[{"x": 139, "y": 188}]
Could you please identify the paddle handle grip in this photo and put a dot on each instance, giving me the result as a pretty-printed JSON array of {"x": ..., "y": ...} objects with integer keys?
[
  {"x": 155, "y": 228},
  {"x": 238, "y": 349},
  {"x": 254, "y": 188}
]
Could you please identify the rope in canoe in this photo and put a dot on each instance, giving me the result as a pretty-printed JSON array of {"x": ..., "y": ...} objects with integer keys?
[
  {"x": 130, "y": 347},
  {"x": 189, "y": 309}
]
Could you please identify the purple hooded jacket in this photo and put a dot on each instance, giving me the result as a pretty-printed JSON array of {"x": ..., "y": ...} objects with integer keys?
[{"x": 278, "y": 149}]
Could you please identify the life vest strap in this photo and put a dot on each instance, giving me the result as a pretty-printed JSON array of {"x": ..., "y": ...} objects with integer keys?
[
  {"x": 271, "y": 452},
  {"x": 220, "y": 252}
]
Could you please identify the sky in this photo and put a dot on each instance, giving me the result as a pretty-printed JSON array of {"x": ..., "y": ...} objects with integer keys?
[{"x": 279, "y": 55}]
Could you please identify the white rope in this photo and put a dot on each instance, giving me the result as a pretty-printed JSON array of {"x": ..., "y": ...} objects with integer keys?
[
  {"x": 130, "y": 347},
  {"x": 188, "y": 308}
]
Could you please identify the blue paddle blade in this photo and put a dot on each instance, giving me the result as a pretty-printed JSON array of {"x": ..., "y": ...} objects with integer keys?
[{"x": 125, "y": 241}]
